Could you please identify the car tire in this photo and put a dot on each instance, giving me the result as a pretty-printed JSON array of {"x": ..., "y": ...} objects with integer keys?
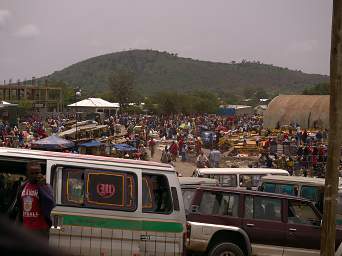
[{"x": 226, "y": 249}]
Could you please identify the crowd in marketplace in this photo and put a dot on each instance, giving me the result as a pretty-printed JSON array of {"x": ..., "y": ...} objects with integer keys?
[{"x": 204, "y": 140}]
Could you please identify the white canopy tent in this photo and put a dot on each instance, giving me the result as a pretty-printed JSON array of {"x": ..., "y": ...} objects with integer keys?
[
  {"x": 95, "y": 103},
  {"x": 6, "y": 104}
]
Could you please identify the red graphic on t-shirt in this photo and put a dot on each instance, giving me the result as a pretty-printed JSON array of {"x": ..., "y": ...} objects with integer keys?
[{"x": 32, "y": 214}]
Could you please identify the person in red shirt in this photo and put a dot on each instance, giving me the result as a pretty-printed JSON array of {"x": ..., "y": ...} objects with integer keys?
[
  {"x": 34, "y": 201},
  {"x": 174, "y": 151},
  {"x": 152, "y": 146}
]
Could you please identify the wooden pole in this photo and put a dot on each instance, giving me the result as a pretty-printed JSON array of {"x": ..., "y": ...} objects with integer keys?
[{"x": 328, "y": 231}]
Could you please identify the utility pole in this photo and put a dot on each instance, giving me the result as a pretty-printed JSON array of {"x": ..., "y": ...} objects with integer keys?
[{"x": 328, "y": 231}]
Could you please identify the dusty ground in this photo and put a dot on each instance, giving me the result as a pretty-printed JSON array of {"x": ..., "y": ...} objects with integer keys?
[{"x": 184, "y": 168}]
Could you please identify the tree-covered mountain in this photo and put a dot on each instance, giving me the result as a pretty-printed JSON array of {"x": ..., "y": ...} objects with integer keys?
[{"x": 161, "y": 71}]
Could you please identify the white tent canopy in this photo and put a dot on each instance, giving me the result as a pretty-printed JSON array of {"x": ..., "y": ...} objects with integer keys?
[
  {"x": 95, "y": 103},
  {"x": 6, "y": 104}
]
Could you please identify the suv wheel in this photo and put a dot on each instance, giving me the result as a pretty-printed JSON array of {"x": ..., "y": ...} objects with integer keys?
[{"x": 226, "y": 249}]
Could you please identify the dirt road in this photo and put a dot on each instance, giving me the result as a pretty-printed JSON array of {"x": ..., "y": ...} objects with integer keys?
[{"x": 184, "y": 168}]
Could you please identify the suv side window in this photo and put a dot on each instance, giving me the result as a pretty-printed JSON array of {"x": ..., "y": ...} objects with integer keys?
[
  {"x": 263, "y": 208},
  {"x": 302, "y": 213},
  {"x": 218, "y": 203}
]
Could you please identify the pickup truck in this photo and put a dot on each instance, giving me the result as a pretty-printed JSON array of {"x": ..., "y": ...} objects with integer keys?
[{"x": 223, "y": 221}]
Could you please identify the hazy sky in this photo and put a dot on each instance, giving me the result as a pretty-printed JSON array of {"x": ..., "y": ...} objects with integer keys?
[{"x": 38, "y": 37}]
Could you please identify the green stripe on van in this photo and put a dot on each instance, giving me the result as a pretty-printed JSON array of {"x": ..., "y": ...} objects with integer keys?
[{"x": 123, "y": 224}]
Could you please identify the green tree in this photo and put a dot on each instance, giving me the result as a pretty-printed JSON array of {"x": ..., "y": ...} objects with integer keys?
[
  {"x": 121, "y": 85},
  {"x": 261, "y": 94},
  {"x": 318, "y": 89},
  {"x": 24, "y": 107},
  {"x": 248, "y": 92}
]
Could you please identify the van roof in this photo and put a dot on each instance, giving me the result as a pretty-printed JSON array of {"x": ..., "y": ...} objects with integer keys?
[
  {"x": 240, "y": 171},
  {"x": 71, "y": 157},
  {"x": 294, "y": 179}
]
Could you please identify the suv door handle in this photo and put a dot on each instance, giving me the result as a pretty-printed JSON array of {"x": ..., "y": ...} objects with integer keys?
[
  {"x": 292, "y": 229},
  {"x": 250, "y": 225}
]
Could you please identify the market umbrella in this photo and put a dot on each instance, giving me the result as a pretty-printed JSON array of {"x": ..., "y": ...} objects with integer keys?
[
  {"x": 124, "y": 148},
  {"x": 90, "y": 144},
  {"x": 52, "y": 142}
]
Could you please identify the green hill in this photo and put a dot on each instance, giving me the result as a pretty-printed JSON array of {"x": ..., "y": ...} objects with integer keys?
[{"x": 156, "y": 71}]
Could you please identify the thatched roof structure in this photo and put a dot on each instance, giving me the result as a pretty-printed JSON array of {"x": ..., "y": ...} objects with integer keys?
[{"x": 309, "y": 111}]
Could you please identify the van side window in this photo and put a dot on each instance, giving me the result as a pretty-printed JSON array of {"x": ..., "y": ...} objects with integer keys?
[
  {"x": 263, "y": 208},
  {"x": 99, "y": 189},
  {"x": 156, "y": 196},
  {"x": 111, "y": 190},
  {"x": 250, "y": 180},
  {"x": 287, "y": 189},
  {"x": 73, "y": 187},
  {"x": 310, "y": 192},
  {"x": 228, "y": 180},
  {"x": 219, "y": 204}
]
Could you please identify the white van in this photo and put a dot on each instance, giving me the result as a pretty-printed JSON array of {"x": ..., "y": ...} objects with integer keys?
[
  {"x": 306, "y": 187},
  {"x": 108, "y": 206},
  {"x": 238, "y": 177}
]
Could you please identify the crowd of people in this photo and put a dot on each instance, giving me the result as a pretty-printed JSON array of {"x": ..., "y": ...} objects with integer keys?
[
  {"x": 181, "y": 137},
  {"x": 298, "y": 151}
]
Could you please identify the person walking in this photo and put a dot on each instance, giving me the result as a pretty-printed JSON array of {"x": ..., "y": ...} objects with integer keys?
[
  {"x": 214, "y": 158},
  {"x": 183, "y": 150},
  {"x": 152, "y": 146},
  {"x": 202, "y": 160},
  {"x": 166, "y": 156},
  {"x": 34, "y": 202},
  {"x": 174, "y": 151}
]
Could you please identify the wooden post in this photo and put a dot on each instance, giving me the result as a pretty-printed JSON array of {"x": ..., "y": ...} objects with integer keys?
[{"x": 328, "y": 231}]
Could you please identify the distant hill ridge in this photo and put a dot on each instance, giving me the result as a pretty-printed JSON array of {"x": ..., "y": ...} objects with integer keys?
[{"x": 155, "y": 71}]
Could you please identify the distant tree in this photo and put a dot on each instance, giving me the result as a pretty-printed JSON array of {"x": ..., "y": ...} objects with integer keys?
[
  {"x": 121, "y": 84},
  {"x": 24, "y": 107},
  {"x": 318, "y": 89},
  {"x": 248, "y": 92},
  {"x": 261, "y": 94}
]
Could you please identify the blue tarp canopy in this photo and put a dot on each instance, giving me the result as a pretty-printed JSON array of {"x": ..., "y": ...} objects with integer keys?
[
  {"x": 52, "y": 142},
  {"x": 124, "y": 147},
  {"x": 91, "y": 144}
]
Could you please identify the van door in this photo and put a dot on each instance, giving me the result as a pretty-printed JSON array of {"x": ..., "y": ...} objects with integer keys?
[{"x": 162, "y": 231}]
